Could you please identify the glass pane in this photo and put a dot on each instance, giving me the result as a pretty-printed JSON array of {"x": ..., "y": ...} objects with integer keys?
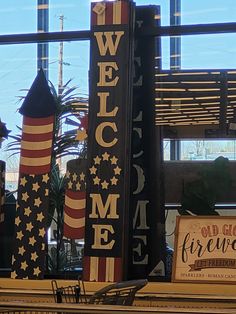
[
  {"x": 208, "y": 51},
  {"x": 201, "y": 52},
  {"x": 208, "y": 150},
  {"x": 75, "y": 15},
  {"x": 18, "y": 17},
  {"x": 210, "y": 11}
]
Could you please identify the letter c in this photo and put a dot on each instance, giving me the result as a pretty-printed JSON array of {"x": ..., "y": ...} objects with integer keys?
[{"x": 99, "y": 134}]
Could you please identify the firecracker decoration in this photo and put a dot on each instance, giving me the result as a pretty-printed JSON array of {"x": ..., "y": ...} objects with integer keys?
[
  {"x": 75, "y": 199},
  {"x": 75, "y": 193},
  {"x": 38, "y": 110}
]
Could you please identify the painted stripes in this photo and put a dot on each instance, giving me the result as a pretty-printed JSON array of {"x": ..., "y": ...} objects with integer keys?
[
  {"x": 110, "y": 13},
  {"x": 36, "y": 145},
  {"x": 107, "y": 269},
  {"x": 74, "y": 214}
]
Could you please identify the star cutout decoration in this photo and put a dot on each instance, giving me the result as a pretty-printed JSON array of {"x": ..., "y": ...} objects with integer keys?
[
  {"x": 96, "y": 180},
  {"x": 34, "y": 256},
  {"x": 21, "y": 250},
  {"x": 24, "y": 265},
  {"x": 37, "y": 202},
  {"x": 82, "y": 176},
  {"x": 19, "y": 235},
  {"x": 106, "y": 165},
  {"x": 23, "y": 181},
  {"x": 45, "y": 178},
  {"x": 93, "y": 170},
  {"x": 97, "y": 160},
  {"x": 37, "y": 271},
  {"x": 35, "y": 187},
  {"x": 117, "y": 170},
  {"x": 70, "y": 184},
  {"x": 17, "y": 221},
  {"x": 78, "y": 186},
  {"x": 42, "y": 232},
  {"x": 114, "y": 160},
  {"x": 29, "y": 226},
  {"x": 32, "y": 241},
  {"x": 74, "y": 176},
  {"x": 114, "y": 181},
  {"x": 27, "y": 211},
  {"x": 40, "y": 217},
  {"x": 105, "y": 156},
  {"x": 25, "y": 196},
  {"x": 104, "y": 185}
]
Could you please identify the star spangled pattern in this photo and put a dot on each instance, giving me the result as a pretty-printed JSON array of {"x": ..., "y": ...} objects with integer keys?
[
  {"x": 2, "y": 189},
  {"x": 38, "y": 110},
  {"x": 28, "y": 260},
  {"x": 74, "y": 208}
]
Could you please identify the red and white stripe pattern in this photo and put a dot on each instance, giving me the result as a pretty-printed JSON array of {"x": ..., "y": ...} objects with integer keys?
[
  {"x": 107, "y": 269},
  {"x": 36, "y": 145},
  {"x": 74, "y": 214},
  {"x": 110, "y": 13}
]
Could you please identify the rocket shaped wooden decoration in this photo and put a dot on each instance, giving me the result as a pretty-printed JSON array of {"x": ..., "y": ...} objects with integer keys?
[
  {"x": 75, "y": 199},
  {"x": 38, "y": 110}
]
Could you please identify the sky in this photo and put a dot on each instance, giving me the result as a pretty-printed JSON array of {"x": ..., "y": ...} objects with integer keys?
[{"x": 18, "y": 62}]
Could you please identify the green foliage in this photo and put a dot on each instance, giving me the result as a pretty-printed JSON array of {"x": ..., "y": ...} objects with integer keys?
[
  {"x": 200, "y": 196},
  {"x": 57, "y": 260}
]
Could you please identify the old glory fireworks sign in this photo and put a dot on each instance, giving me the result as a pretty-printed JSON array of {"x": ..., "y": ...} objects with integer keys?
[{"x": 205, "y": 249}]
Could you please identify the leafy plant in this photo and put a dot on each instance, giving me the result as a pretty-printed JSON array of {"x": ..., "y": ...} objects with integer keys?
[{"x": 200, "y": 196}]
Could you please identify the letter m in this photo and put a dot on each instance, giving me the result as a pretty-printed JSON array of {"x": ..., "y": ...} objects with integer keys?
[
  {"x": 109, "y": 210},
  {"x": 106, "y": 43}
]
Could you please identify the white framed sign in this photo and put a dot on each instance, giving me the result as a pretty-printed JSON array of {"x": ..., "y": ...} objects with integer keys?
[{"x": 205, "y": 249}]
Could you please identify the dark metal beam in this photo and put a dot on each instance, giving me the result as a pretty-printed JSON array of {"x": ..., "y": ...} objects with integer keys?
[
  {"x": 197, "y": 29},
  {"x": 44, "y": 37}
]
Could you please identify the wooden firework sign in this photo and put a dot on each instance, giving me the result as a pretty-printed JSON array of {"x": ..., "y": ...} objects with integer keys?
[
  {"x": 109, "y": 132},
  {"x": 75, "y": 199},
  {"x": 145, "y": 194},
  {"x": 38, "y": 110}
]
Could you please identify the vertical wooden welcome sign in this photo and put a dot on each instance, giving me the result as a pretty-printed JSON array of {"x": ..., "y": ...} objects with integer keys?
[{"x": 107, "y": 224}]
